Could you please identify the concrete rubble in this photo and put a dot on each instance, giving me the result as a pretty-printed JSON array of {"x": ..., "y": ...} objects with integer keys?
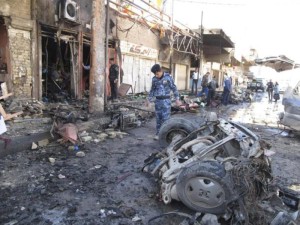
[{"x": 92, "y": 172}]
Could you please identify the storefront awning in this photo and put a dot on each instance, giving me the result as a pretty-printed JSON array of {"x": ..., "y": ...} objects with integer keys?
[
  {"x": 217, "y": 37},
  {"x": 278, "y": 63}
]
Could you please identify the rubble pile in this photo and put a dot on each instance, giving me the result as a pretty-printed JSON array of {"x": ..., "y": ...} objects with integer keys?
[
  {"x": 129, "y": 114},
  {"x": 30, "y": 107}
]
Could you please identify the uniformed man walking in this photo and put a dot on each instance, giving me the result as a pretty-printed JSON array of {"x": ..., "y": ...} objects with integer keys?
[{"x": 160, "y": 93}]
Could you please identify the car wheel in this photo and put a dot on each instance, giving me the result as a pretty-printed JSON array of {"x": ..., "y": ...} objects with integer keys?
[
  {"x": 202, "y": 187},
  {"x": 172, "y": 127}
]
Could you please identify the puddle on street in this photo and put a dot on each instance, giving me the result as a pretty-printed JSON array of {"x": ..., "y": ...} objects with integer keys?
[{"x": 277, "y": 131}]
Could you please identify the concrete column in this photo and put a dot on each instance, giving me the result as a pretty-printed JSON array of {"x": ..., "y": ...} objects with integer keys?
[{"x": 97, "y": 72}]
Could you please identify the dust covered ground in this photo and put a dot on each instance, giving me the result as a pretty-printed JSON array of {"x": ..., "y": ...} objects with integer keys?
[{"x": 106, "y": 186}]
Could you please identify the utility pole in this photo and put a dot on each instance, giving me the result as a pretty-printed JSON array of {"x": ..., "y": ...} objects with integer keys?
[
  {"x": 171, "y": 41},
  {"x": 97, "y": 72},
  {"x": 36, "y": 83},
  {"x": 200, "y": 45},
  {"x": 106, "y": 50}
]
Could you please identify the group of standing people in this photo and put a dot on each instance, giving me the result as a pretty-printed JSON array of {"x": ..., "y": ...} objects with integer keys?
[
  {"x": 209, "y": 86},
  {"x": 273, "y": 91}
]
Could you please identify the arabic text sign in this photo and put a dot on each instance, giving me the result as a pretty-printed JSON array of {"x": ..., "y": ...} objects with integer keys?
[{"x": 131, "y": 48}]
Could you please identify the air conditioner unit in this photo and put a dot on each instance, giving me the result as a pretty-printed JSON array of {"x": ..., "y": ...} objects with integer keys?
[{"x": 68, "y": 9}]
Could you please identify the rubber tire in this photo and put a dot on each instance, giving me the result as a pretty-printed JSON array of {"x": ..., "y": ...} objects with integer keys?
[
  {"x": 211, "y": 170},
  {"x": 173, "y": 124}
]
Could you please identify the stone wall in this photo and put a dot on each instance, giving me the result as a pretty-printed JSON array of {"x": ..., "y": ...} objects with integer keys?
[
  {"x": 20, "y": 54},
  {"x": 16, "y": 8},
  {"x": 137, "y": 33},
  {"x": 19, "y": 27}
]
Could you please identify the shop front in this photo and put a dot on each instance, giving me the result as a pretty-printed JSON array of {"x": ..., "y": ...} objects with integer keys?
[{"x": 137, "y": 61}]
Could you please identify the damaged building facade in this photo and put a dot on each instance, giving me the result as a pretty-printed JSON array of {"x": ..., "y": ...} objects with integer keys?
[
  {"x": 16, "y": 29},
  {"x": 145, "y": 36},
  {"x": 45, "y": 47},
  {"x": 42, "y": 44}
]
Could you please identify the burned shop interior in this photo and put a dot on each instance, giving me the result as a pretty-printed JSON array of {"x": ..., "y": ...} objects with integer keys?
[{"x": 60, "y": 65}]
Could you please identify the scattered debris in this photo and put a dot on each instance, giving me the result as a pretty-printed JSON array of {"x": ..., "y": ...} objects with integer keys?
[
  {"x": 43, "y": 143},
  {"x": 98, "y": 166},
  {"x": 34, "y": 146},
  {"x": 60, "y": 176},
  {"x": 136, "y": 218},
  {"x": 209, "y": 219},
  {"x": 51, "y": 160},
  {"x": 201, "y": 160},
  {"x": 285, "y": 218},
  {"x": 68, "y": 131},
  {"x": 86, "y": 138},
  {"x": 80, "y": 154}
]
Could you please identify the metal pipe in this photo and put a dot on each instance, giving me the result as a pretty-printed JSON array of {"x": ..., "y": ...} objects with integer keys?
[
  {"x": 106, "y": 51},
  {"x": 155, "y": 8},
  {"x": 171, "y": 27},
  {"x": 200, "y": 45},
  {"x": 207, "y": 150},
  {"x": 139, "y": 7},
  {"x": 171, "y": 41},
  {"x": 173, "y": 154}
]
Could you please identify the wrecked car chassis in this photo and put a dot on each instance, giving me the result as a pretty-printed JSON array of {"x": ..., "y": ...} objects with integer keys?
[{"x": 200, "y": 169}]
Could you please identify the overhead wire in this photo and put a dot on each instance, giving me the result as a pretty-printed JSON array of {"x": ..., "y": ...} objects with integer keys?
[{"x": 210, "y": 3}]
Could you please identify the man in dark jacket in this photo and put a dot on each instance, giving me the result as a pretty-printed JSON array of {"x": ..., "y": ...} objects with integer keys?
[
  {"x": 227, "y": 89},
  {"x": 212, "y": 86},
  {"x": 270, "y": 87},
  {"x": 204, "y": 84},
  {"x": 113, "y": 78}
]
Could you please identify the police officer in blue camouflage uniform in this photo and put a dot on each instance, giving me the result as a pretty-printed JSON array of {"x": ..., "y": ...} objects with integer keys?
[{"x": 160, "y": 93}]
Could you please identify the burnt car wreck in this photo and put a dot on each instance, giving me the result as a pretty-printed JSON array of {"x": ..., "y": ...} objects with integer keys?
[{"x": 218, "y": 167}]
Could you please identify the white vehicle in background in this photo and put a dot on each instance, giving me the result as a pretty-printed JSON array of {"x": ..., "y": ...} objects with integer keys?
[
  {"x": 283, "y": 86},
  {"x": 291, "y": 97}
]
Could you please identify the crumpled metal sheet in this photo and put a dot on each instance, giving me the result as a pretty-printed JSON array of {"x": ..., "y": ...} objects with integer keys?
[{"x": 291, "y": 102}]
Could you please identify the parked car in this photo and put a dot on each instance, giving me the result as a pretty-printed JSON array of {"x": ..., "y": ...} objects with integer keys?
[
  {"x": 283, "y": 87},
  {"x": 256, "y": 85}
]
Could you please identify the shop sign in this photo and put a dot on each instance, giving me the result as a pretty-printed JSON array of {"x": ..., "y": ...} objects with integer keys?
[
  {"x": 216, "y": 66},
  {"x": 136, "y": 49}
]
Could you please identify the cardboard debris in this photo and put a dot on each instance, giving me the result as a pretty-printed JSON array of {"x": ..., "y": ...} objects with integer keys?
[
  {"x": 69, "y": 132},
  {"x": 123, "y": 89},
  {"x": 43, "y": 143}
]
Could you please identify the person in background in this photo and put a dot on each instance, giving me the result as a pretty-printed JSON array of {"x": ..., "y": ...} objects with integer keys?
[
  {"x": 276, "y": 92},
  {"x": 227, "y": 89},
  {"x": 195, "y": 79},
  {"x": 113, "y": 79},
  {"x": 204, "y": 84},
  {"x": 160, "y": 93},
  {"x": 270, "y": 87},
  {"x": 85, "y": 76},
  {"x": 212, "y": 86}
]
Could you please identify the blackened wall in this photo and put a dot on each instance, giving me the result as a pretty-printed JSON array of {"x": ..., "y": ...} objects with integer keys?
[{"x": 47, "y": 9}]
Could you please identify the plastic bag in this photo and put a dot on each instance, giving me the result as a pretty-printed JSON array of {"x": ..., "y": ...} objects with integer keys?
[{"x": 3, "y": 128}]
